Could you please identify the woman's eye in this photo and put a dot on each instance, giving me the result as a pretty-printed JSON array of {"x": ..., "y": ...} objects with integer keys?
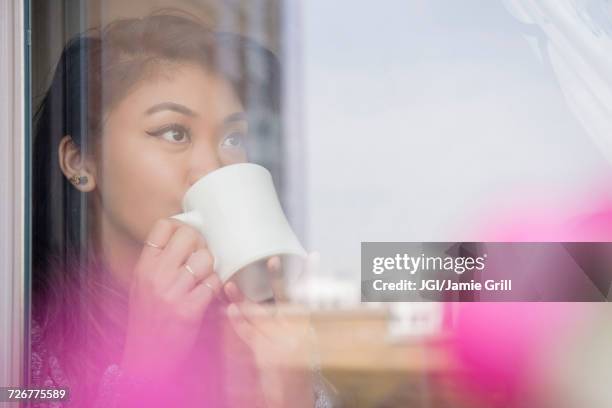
[
  {"x": 233, "y": 140},
  {"x": 173, "y": 134}
]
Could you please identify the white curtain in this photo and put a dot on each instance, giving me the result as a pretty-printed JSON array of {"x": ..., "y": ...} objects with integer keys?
[{"x": 579, "y": 46}]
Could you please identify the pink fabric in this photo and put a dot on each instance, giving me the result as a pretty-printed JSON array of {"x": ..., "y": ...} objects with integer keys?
[{"x": 499, "y": 343}]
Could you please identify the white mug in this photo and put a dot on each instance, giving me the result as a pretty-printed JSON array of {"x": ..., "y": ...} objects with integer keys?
[{"x": 237, "y": 210}]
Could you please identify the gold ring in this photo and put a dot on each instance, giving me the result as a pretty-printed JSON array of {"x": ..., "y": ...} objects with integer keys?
[
  {"x": 152, "y": 245},
  {"x": 192, "y": 272}
]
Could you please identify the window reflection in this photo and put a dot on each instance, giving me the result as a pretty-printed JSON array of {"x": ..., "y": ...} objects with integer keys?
[
  {"x": 405, "y": 104},
  {"x": 127, "y": 306}
]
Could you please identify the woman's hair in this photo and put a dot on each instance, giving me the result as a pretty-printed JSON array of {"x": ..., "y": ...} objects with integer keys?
[{"x": 95, "y": 71}]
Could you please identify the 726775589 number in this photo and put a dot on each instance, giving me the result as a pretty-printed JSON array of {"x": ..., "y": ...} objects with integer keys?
[{"x": 17, "y": 394}]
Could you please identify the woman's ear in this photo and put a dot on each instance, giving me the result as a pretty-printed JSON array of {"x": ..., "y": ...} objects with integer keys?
[{"x": 78, "y": 170}]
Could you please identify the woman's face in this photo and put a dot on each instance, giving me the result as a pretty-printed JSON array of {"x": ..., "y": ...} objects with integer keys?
[{"x": 168, "y": 132}]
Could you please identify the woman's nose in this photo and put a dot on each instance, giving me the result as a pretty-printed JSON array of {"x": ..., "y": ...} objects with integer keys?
[{"x": 203, "y": 160}]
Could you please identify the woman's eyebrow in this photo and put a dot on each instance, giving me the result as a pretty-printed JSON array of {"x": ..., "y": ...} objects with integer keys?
[
  {"x": 170, "y": 106},
  {"x": 235, "y": 117}
]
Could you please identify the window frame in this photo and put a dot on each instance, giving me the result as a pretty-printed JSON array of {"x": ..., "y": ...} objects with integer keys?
[{"x": 14, "y": 139}]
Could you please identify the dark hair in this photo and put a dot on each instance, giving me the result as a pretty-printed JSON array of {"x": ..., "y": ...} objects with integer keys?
[{"x": 95, "y": 71}]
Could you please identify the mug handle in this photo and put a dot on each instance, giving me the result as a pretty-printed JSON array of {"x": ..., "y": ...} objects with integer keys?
[{"x": 193, "y": 219}]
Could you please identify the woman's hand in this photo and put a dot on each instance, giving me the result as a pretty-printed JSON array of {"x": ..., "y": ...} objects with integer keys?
[
  {"x": 167, "y": 300},
  {"x": 281, "y": 345}
]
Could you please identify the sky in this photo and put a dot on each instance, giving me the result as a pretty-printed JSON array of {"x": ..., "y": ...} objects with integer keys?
[{"x": 425, "y": 120}]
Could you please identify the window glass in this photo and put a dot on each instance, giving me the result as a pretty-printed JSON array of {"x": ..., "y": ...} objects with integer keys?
[{"x": 202, "y": 174}]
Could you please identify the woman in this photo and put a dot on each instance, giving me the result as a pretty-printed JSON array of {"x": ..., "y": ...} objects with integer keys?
[{"x": 127, "y": 309}]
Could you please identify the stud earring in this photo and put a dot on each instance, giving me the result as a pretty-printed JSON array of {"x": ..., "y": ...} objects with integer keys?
[{"x": 76, "y": 180}]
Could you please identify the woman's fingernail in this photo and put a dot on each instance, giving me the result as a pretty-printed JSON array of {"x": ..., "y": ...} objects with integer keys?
[
  {"x": 232, "y": 310},
  {"x": 275, "y": 263},
  {"x": 228, "y": 292}
]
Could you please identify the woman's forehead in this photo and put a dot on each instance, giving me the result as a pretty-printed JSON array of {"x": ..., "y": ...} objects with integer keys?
[{"x": 187, "y": 85}]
